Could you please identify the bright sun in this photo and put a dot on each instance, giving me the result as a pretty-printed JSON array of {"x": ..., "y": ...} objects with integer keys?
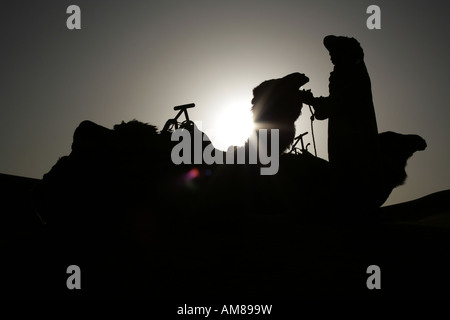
[{"x": 232, "y": 126}]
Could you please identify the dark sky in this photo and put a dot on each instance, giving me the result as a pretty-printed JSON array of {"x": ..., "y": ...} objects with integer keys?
[{"x": 138, "y": 59}]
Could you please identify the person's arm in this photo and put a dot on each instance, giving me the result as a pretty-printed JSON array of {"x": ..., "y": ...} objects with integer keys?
[{"x": 323, "y": 106}]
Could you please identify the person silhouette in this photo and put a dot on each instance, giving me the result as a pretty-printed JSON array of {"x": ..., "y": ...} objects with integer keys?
[{"x": 353, "y": 150}]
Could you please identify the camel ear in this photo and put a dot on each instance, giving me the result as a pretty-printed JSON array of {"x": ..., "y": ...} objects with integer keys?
[
  {"x": 295, "y": 80},
  {"x": 419, "y": 143}
]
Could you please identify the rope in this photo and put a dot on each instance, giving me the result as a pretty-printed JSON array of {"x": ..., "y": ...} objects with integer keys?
[{"x": 312, "y": 130}]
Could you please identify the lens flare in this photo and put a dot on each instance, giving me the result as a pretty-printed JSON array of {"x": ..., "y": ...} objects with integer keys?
[{"x": 192, "y": 174}]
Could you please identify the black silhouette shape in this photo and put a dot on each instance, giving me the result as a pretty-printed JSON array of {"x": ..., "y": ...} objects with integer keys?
[
  {"x": 395, "y": 150},
  {"x": 303, "y": 148},
  {"x": 132, "y": 164},
  {"x": 119, "y": 205},
  {"x": 359, "y": 166},
  {"x": 353, "y": 149},
  {"x": 173, "y": 124},
  {"x": 277, "y": 104}
]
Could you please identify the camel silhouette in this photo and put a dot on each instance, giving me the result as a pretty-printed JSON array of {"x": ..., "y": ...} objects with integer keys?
[{"x": 119, "y": 170}]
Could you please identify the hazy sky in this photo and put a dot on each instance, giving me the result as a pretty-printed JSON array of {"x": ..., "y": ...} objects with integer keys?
[{"x": 138, "y": 59}]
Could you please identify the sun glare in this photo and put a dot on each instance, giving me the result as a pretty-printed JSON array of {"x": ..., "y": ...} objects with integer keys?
[{"x": 232, "y": 126}]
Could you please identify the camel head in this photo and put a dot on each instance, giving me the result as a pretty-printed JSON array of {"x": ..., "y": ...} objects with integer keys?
[
  {"x": 277, "y": 104},
  {"x": 278, "y": 100}
]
